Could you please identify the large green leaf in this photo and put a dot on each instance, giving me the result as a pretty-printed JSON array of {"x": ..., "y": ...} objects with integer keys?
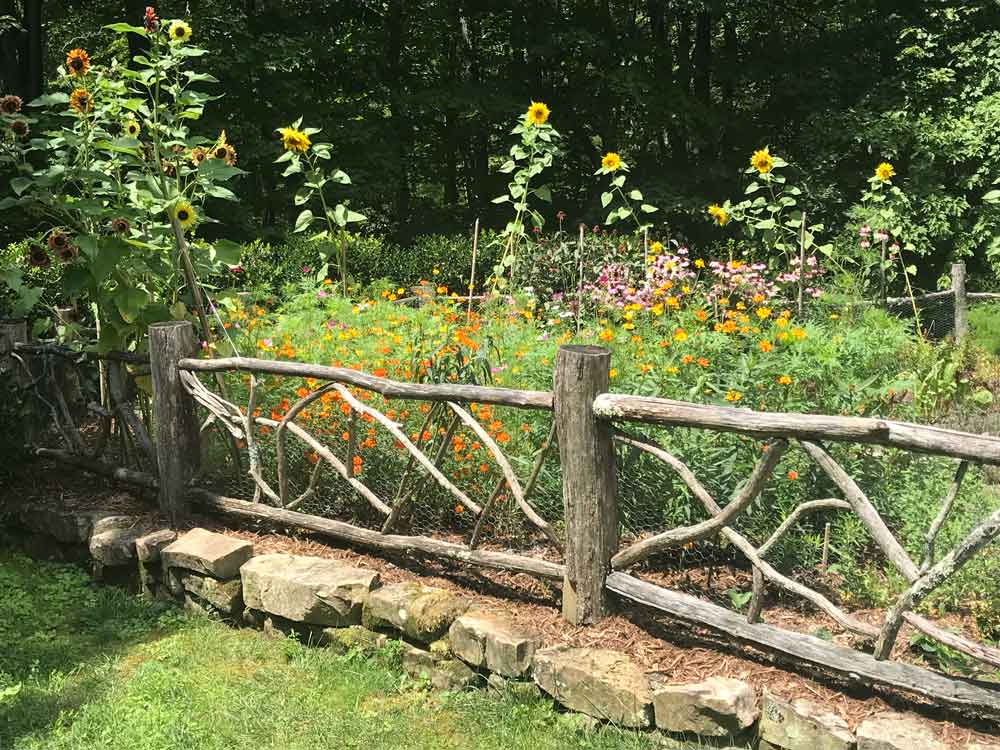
[{"x": 109, "y": 254}]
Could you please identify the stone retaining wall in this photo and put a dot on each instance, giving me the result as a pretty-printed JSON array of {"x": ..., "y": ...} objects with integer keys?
[{"x": 453, "y": 644}]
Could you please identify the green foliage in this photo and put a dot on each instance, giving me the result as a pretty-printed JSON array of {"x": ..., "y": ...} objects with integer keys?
[
  {"x": 984, "y": 327},
  {"x": 48, "y": 283}
]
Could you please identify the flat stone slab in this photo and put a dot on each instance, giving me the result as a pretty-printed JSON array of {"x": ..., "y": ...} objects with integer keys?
[
  {"x": 421, "y": 612},
  {"x": 226, "y": 596},
  {"x": 442, "y": 673},
  {"x": 149, "y": 546},
  {"x": 717, "y": 707},
  {"x": 892, "y": 731},
  {"x": 354, "y": 638},
  {"x": 112, "y": 540},
  {"x": 603, "y": 684},
  {"x": 204, "y": 551},
  {"x": 312, "y": 590},
  {"x": 65, "y": 526},
  {"x": 801, "y": 725},
  {"x": 485, "y": 640}
]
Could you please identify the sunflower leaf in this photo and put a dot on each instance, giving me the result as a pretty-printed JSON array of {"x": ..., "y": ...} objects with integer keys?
[
  {"x": 606, "y": 198},
  {"x": 303, "y": 221}
]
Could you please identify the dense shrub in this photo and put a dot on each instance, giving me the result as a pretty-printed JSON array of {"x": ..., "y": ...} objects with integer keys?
[
  {"x": 984, "y": 325},
  {"x": 49, "y": 280}
]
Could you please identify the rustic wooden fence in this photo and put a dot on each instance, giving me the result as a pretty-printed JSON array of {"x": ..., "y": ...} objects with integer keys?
[{"x": 588, "y": 557}]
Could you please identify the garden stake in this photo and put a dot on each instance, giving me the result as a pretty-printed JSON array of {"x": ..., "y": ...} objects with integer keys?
[{"x": 472, "y": 277}]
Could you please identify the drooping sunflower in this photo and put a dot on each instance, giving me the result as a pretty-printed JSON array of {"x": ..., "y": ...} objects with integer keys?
[
  {"x": 294, "y": 140},
  {"x": 81, "y": 101},
  {"x": 198, "y": 155},
  {"x": 718, "y": 213},
  {"x": 185, "y": 214},
  {"x": 69, "y": 253},
  {"x": 58, "y": 241},
  {"x": 78, "y": 62},
  {"x": 885, "y": 171},
  {"x": 762, "y": 160},
  {"x": 38, "y": 257},
  {"x": 538, "y": 114},
  {"x": 179, "y": 32},
  {"x": 611, "y": 161},
  {"x": 132, "y": 128},
  {"x": 19, "y": 128},
  {"x": 10, "y": 104},
  {"x": 120, "y": 225}
]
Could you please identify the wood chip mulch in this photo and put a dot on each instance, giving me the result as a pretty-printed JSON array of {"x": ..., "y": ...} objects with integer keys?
[{"x": 654, "y": 642}]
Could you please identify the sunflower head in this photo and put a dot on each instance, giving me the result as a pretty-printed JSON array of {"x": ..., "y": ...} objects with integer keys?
[
  {"x": 179, "y": 32},
  {"x": 132, "y": 128},
  {"x": 78, "y": 62},
  {"x": 38, "y": 257},
  {"x": 69, "y": 253},
  {"x": 81, "y": 101},
  {"x": 19, "y": 128},
  {"x": 58, "y": 241},
  {"x": 120, "y": 225},
  {"x": 762, "y": 160},
  {"x": 611, "y": 161},
  {"x": 718, "y": 213},
  {"x": 198, "y": 155},
  {"x": 10, "y": 104},
  {"x": 537, "y": 114},
  {"x": 185, "y": 214},
  {"x": 294, "y": 140},
  {"x": 885, "y": 171}
]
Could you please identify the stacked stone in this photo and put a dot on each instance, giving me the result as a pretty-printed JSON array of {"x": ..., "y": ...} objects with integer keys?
[{"x": 202, "y": 569}]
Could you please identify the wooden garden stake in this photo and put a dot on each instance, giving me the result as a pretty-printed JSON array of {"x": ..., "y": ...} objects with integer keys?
[
  {"x": 961, "y": 302},
  {"x": 472, "y": 276},
  {"x": 802, "y": 260}
]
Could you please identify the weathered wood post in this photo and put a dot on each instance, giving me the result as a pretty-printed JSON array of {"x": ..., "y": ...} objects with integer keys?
[
  {"x": 12, "y": 332},
  {"x": 176, "y": 429},
  {"x": 589, "y": 480},
  {"x": 961, "y": 302}
]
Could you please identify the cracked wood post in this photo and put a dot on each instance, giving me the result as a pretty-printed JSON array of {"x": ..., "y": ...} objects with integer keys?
[
  {"x": 589, "y": 480},
  {"x": 14, "y": 332},
  {"x": 176, "y": 426},
  {"x": 961, "y": 302}
]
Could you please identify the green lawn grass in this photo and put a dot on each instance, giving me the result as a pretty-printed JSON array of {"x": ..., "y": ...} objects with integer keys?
[{"x": 101, "y": 669}]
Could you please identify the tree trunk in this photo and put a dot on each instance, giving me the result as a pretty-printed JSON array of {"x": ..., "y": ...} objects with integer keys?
[
  {"x": 703, "y": 58},
  {"x": 33, "y": 77}
]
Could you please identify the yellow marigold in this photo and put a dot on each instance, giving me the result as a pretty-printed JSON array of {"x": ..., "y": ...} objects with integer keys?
[
  {"x": 699, "y": 263},
  {"x": 765, "y": 346},
  {"x": 294, "y": 140},
  {"x": 763, "y": 312},
  {"x": 179, "y": 32},
  {"x": 733, "y": 396},
  {"x": 185, "y": 214},
  {"x": 718, "y": 213},
  {"x": 656, "y": 247},
  {"x": 81, "y": 101},
  {"x": 537, "y": 114},
  {"x": 885, "y": 171},
  {"x": 762, "y": 160},
  {"x": 680, "y": 335},
  {"x": 784, "y": 380},
  {"x": 78, "y": 62},
  {"x": 611, "y": 161}
]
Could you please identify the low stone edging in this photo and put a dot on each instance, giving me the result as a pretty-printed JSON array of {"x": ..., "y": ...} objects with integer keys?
[{"x": 453, "y": 644}]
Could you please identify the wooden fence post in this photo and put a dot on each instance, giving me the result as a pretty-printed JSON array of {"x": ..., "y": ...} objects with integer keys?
[
  {"x": 176, "y": 428},
  {"x": 589, "y": 480},
  {"x": 961, "y": 302},
  {"x": 12, "y": 332}
]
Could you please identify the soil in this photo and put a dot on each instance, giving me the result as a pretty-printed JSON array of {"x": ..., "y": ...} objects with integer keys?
[{"x": 654, "y": 642}]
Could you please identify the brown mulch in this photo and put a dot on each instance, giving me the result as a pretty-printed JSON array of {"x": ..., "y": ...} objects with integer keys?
[{"x": 654, "y": 642}]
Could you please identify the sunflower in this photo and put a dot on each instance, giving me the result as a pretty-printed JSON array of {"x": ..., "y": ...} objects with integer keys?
[
  {"x": 81, "y": 101},
  {"x": 132, "y": 128},
  {"x": 294, "y": 140},
  {"x": 718, "y": 213},
  {"x": 762, "y": 160},
  {"x": 38, "y": 258},
  {"x": 223, "y": 151},
  {"x": 58, "y": 241},
  {"x": 185, "y": 214},
  {"x": 198, "y": 155},
  {"x": 179, "y": 32},
  {"x": 611, "y": 161},
  {"x": 10, "y": 104},
  {"x": 885, "y": 171},
  {"x": 538, "y": 114},
  {"x": 69, "y": 253},
  {"x": 19, "y": 128},
  {"x": 120, "y": 225},
  {"x": 78, "y": 62}
]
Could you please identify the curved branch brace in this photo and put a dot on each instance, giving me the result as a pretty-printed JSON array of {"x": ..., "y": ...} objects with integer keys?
[
  {"x": 279, "y": 437},
  {"x": 123, "y": 407},
  {"x": 864, "y": 509},
  {"x": 397, "y": 433},
  {"x": 252, "y": 452},
  {"x": 766, "y": 571},
  {"x": 676, "y": 537},
  {"x": 978, "y": 538},
  {"x": 942, "y": 516},
  {"x": 686, "y": 475},
  {"x": 228, "y": 415},
  {"x": 508, "y": 472}
]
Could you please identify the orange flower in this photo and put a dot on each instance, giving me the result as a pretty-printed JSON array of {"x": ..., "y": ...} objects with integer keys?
[
  {"x": 459, "y": 509},
  {"x": 702, "y": 362},
  {"x": 525, "y": 427},
  {"x": 784, "y": 380},
  {"x": 503, "y": 437},
  {"x": 792, "y": 474},
  {"x": 379, "y": 372},
  {"x": 312, "y": 456},
  {"x": 687, "y": 359},
  {"x": 78, "y": 62},
  {"x": 765, "y": 346}
]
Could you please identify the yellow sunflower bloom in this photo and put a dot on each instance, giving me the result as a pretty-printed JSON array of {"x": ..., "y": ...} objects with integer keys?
[
  {"x": 885, "y": 171},
  {"x": 78, "y": 62},
  {"x": 198, "y": 155},
  {"x": 762, "y": 160},
  {"x": 132, "y": 128},
  {"x": 185, "y": 214},
  {"x": 537, "y": 114},
  {"x": 611, "y": 161},
  {"x": 718, "y": 213},
  {"x": 179, "y": 32},
  {"x": 81, "y": 101},
  {"x": 294, "y": 140}
]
